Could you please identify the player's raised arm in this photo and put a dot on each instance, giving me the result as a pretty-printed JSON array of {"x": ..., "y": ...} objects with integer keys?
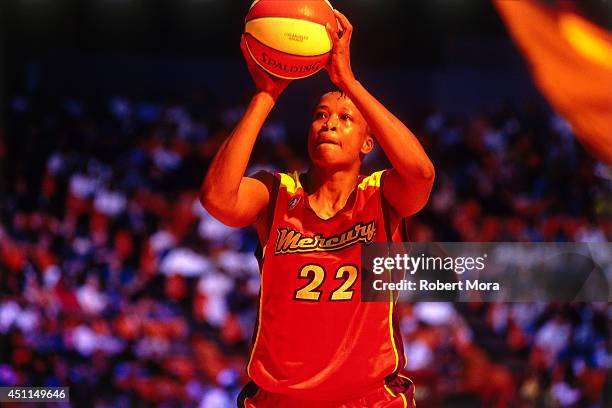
[
  {"x": 409, "y": 183},
  {"x": 226, "y": 193}
]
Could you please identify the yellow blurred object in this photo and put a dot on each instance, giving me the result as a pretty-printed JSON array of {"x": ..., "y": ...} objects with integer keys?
[
  {"x": 586, "y": 38},
  {"x": 571, "y": 61}
]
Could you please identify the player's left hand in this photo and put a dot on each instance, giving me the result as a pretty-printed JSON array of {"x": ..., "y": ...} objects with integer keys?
[{"x": 339, "y": 65}]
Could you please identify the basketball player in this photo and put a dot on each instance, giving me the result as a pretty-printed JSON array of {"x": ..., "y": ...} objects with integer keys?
[{"x": 315, "y": 343}]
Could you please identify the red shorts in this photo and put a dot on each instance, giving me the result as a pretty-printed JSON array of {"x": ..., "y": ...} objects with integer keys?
[{"x": 396, "y": 393}]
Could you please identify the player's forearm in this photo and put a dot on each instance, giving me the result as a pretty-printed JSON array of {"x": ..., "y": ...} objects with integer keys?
[
  {"x": 222, "y": 181},
  {"x": 401, "y": 146}
]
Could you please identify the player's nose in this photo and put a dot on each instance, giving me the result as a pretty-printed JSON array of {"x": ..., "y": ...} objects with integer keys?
[{"x": 332, "y": 122}]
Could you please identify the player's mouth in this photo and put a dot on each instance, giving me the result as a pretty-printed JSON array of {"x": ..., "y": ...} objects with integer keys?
[{"x": 323, "y": 139}]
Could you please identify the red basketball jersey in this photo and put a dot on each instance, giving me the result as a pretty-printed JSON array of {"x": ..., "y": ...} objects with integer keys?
[{"x": 314, "y": 338}]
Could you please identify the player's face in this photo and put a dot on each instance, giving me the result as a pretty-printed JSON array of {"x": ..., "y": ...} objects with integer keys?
[{"x": 339, "y": 135}]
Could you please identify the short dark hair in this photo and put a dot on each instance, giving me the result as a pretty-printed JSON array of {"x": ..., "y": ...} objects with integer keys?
[
  {"x": 338, "y": 90},
  {"x": 342, "y": 95}
]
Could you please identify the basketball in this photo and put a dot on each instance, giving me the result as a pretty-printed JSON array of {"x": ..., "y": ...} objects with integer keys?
[{"x": 287, "y": 38}]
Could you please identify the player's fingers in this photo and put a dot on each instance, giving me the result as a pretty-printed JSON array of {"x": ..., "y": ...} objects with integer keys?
[
  {"x": 344, "y": 22},
  {"x": 340, "y": 22},
  {"x": 333, "y": 35}
]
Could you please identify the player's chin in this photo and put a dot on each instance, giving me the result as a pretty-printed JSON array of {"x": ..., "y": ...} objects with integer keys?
[{"x": 324, "y": 156}]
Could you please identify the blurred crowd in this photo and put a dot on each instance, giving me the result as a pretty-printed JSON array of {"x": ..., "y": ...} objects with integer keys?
[{"x": 116, "y": 282}]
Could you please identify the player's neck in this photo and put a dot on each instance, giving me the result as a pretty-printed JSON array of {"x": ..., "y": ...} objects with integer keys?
[{"x": 330, "y": 190}]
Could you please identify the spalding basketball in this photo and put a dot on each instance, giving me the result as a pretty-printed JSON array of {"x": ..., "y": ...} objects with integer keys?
[{"x": 287, "y": 38}]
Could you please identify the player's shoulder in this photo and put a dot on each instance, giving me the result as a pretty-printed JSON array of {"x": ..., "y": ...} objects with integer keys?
[
  {"x": 372, "y": 181},
  {"x": 289, "y": 181}
]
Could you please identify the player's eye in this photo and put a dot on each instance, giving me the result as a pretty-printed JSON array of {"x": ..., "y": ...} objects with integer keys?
[
  {"x": 345, "y": 116},
  {"x": 320, "y": 115}
]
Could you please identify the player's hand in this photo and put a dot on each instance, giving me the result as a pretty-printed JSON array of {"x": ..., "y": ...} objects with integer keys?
[
  {"x": 339, "y": 65},
  {"x": 263, "y": 81}
]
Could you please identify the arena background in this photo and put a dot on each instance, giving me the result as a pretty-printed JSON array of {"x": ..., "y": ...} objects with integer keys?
[{"x": 115, "y": 282}]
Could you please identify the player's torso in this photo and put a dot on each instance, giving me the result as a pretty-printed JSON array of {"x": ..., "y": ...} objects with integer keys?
[{"x": 315, "y": 338}]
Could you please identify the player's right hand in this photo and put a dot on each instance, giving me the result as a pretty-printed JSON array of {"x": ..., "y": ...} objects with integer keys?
[{"x": 263, "y": 81}]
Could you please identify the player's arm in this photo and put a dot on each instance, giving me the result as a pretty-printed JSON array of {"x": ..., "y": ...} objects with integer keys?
[
  {"x": 409, "y": 182},
  {"x": 226, "y": 193}
]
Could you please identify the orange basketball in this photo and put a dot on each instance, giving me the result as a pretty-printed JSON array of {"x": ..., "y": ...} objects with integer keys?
[{"x": 287, "y": 38}]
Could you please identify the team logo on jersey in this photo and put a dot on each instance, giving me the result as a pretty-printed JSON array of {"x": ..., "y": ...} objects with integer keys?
[
  {"x": 293, "y": 202},
  {"x": 289, "y": 241}
]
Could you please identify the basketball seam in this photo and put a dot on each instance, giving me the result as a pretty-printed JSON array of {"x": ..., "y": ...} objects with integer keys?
[
  {"x": 286, "y": 53},
  {"x": 254, "y": 3}
]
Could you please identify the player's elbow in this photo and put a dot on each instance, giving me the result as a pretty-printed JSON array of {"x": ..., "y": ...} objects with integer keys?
[
  {"x": 223, "y": 210},
  {"x": 428, "y": 175},
  {"x": 428, "y": 172},
  {"x": 422, "y": 173},
  {"x": 215, "y": 196},
  {"x": 419, "y": 187},
  {"x": 213, "y": 203},
  {"x": 208, "y": 198},
  {"x": 205, "y": 201},
  {"x": 416, "y": 203}
]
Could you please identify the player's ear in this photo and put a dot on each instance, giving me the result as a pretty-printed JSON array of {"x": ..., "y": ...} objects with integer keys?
[{"x": 368, "y": 143}]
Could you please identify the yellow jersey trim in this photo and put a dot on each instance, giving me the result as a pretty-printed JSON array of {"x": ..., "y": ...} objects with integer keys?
[
  {"x": 413, "y": 385},
  {"x": 402, "y": 396},
  {"x": 291, "y": 181},
  {"x": 246, "y": 400},
  {"x": 392, "y": 338},
  {"x": 373, "y": 180},
  {"x": 404, "y": 400}
]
